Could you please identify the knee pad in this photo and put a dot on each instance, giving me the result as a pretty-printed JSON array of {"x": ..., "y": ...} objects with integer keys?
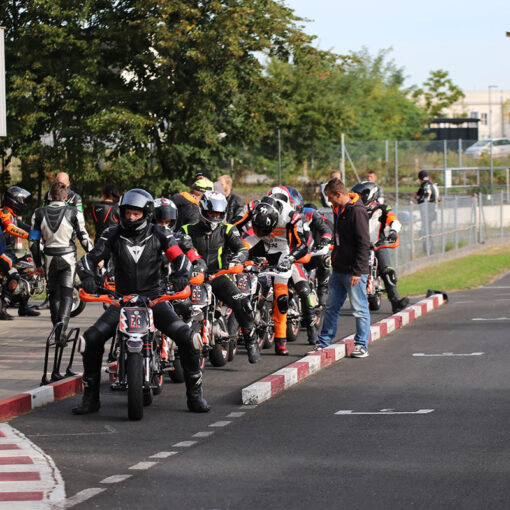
[
  {"x": 326, "y": 260},
  {"x": 282, "y": 302},
  {"x": 12, "y": 282},
  {"x": 303, "y": 289}
]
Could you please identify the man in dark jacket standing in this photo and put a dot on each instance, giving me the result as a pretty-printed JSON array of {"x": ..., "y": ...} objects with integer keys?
[
  {"x": 235, "y": 208},
  {"x": 350, "y": 267}
]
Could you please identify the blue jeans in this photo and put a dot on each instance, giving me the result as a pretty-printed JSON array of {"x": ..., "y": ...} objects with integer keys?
[{"x": 339, "y": 288}]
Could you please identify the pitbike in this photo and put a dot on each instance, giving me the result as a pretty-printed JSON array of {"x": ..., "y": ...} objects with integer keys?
[
  {"x": 266, "y": 278},
  {"x": 170, "y": 359},
  {"x": 375, "y": 285},
  {"x": 250, "y": 284},
  {"x": 137, "y": 348}
]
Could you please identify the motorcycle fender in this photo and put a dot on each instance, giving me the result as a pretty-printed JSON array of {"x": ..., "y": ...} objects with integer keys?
[{"x": 134, "y": 344}]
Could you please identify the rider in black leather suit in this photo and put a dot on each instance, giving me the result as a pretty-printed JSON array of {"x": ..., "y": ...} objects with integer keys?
[{"x": 136, "y": 247}]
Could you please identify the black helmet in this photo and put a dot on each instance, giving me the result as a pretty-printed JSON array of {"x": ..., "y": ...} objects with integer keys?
[
  {"x": 212, "y": 201},
  {"x": 265, "y": 216},
  {"x": 136, "y": 199},
  {"x": 368, "y": 191},
  {"x": 165, "y": 209},
  {"x": 15, "y": 198}
]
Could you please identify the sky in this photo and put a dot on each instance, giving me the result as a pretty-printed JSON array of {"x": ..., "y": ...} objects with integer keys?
[{"x": 464, "y": 37}]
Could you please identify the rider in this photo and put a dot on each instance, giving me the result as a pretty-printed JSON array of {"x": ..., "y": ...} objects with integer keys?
[
  {"x": 278, "y": 236},
  {"x": 322, "y": 236},
  {"x": 136, "y": 246},
  {"x": 213, "y": 239},
  {"x": 106, "y": 212},
  {"x": 187, "y": 203},
  {"x": 382, "y": 218},
  {"x": 57, "y": 226},
  {"x": 13, "y": 204}
]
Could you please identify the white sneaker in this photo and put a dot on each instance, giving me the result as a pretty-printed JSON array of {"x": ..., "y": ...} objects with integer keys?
[{"x": 359, "y": 351}]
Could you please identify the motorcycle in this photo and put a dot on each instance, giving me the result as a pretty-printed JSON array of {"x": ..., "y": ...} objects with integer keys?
[
  {"x": 375, "y": 285},
  {"x": 136, "y": 348}
]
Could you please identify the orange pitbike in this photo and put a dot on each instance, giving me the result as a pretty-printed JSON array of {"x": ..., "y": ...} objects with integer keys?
[{"x": 137, "y": 347}]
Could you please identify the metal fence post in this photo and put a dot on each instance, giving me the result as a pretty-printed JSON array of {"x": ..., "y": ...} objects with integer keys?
[
  {"x": 396, "y": 173},
  {"x": 386, "y": 151},
  {"x": 427, "y": 228},
  {"x": 501, "y": 215},
  {"x": 460, "y": 152},
  {"x": 411, "y": 227},
  {"x": 455, "y": 222},
  {"x": 445, "y": 162},
  {"x": 342, "y": 163},
  {"x": 507, "y": 186},
  {"x": 480, "y": 214},
  {"x": 443, "y": 236}
]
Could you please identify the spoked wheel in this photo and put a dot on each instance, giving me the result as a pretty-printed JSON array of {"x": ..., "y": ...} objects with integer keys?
[
  {"x": 218, "y": 355},
  {"x": 136, "y": 398},
  {"x": 292, "y": 331}
]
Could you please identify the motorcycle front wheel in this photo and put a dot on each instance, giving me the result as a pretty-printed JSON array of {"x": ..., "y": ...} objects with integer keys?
[
  {"x": 176, "y": 375},
  {"x": 218, "y": 355},
  {"x": 78, "y": 304},
  {"x": 134, "y": 371}
]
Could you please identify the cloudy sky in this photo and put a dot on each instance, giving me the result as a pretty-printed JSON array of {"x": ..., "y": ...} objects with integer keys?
[{"x": 465, "y": 37}]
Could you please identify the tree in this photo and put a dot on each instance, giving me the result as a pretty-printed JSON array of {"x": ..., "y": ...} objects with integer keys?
[{"x": 438, "y": 92}]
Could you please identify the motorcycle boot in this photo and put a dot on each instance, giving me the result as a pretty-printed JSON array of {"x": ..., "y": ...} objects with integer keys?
[
  {"x": 25, "y": 310},
  {"x": 196, "y": 401},
  {"x": 280, "y": 346},
  {"x": 4, "y": 316},
  {"x": 252, "y": 346},
  {"x": 312, "y": 335},
  {"x": 90, "y": 401},
  {"x": 44, "y": 305},
  {"x": 399, "y": 304},
  {"x": 322, "y": 294},
  {"x": 308, "y": 303}
]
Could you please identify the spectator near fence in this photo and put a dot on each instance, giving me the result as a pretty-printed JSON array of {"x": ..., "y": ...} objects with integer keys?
[{"x": 427, "y": 197}]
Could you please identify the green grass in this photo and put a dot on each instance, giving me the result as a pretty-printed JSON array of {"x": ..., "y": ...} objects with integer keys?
[{"x": 463, "y": 273}]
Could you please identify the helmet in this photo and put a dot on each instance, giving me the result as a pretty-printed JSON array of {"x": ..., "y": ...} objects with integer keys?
[
  {"x": 296, "y": 200},
  {"x": 136, "y": 199},
  {"x": 165, "y": 209},
  {"x": 367, "y": 190},
  {"x": 15, "y": 198},
  {"x": 213, "y": 202},
  {"x": 265, "y": 216},
  {"x": 280, "y": 193},
  {"x": 203, "y": 184}
]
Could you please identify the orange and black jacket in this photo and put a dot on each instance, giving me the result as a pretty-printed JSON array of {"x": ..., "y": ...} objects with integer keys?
[
  {"x": 187, "y": 207},
  {"x": 105, "y": 214},
  {"x": 12, "y": 227},
  {"x": 351, "y": 237}
]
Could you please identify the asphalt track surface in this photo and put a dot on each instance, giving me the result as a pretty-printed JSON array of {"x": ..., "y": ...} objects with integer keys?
[{"x": 293, "y": 452}]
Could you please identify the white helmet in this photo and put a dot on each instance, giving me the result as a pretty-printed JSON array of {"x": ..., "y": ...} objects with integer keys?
[{"x": 213, "y": 202}]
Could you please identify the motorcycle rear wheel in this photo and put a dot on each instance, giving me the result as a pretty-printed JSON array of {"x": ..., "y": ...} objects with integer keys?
[
  {"x": 136, "y": 399},
  {"x": 78, "y": 304},
  {"x": 177, "y": 375},
  {"x": 374, "y": 302},
  {"x": 218, "y": 355},
  {"x": 292, "y": 331}
]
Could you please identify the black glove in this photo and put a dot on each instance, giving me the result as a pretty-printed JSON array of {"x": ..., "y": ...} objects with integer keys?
[
  {"x": 88, "y": 284},
  {"x": 199, "y": 266},
  {"x": 323, "y": 243},
  {"x": 392, "y": 236},
  {"x": 234, "y": 262},
  {"x": 179, "y": 283}
]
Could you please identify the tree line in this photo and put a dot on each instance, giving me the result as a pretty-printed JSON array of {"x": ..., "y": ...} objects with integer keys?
[{"x": 145, "y": 92}]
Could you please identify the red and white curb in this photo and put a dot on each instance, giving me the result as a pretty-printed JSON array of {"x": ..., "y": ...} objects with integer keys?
[
  {"x": 31, "y": 399},
  {"x": 29, "y": 478},
  {"x": 279, "y": 381}
]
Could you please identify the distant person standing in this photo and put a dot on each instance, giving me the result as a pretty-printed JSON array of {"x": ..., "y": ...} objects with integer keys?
[
  {"x": 106, "y": 212},
  {"x": 427, "y": 197},
  {"x": 72, "y": 197},
  {"x": 350, "y": 267},
  {"x": 372, "y": 177},
  {"x": 187, "y": 202},
  {"x": 235, "y": 207}
]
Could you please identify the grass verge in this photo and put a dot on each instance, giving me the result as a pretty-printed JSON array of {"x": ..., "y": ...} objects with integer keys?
[{"x": 462, "y": 273}]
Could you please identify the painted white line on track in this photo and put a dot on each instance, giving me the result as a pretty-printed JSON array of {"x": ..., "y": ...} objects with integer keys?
[
  {"x": 502, "y": 299},
  {"x": 204, "y": 434},
  {"x": 384, "y": 411},
  {"x": 220, "y": 424},
  {"x": 235, "y": 415},
  {"x": 116, "y": 479},
  {"x": 184, "y": 444},
  {"x": 446, "y": 354},
  {"x": 461, "y": 302},
  {"x": 162, "y": 455},
  {"x": 490, "y": 319},
  {"x": 82, "y": 496},
  {"x": 142, "y": 466},
  {"x": 249, "y": 406}
]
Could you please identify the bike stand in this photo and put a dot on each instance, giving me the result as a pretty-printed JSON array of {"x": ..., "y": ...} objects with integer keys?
[{"x": 55, "y": 339}]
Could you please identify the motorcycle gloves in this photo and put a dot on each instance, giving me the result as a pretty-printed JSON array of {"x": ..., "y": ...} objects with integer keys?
[
  {"x": 88, "y": 284},
  {"x": 285, "y": 264},
  {"x": 392, "y": 236},
  {"x": 179, "y": 283},
  {"x": 199, "y": 266}
]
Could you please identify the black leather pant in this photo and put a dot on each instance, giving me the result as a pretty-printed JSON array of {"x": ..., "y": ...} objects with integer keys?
[{"x": 60, "y": 282}]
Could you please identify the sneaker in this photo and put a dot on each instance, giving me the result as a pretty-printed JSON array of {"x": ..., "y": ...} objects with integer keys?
[{"x": 359, "y": 351}]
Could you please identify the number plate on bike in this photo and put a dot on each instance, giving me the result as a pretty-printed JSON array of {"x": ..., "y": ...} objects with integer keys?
[
  {"x": 199, "y": 295},
  {"x": 247, "y": 283},
  {"x": 135, "y": 320}
]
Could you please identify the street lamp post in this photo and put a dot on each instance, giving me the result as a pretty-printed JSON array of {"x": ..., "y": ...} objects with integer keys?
[{"x": 490, "y": 134}]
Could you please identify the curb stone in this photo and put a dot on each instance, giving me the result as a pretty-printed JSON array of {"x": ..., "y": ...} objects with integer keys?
[{"x": 288, "y": 376}]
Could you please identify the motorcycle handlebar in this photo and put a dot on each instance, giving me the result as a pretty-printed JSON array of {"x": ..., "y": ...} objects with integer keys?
[
  {"x": 233, "y": 270},
  {"x": 384, "y": 244}
]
